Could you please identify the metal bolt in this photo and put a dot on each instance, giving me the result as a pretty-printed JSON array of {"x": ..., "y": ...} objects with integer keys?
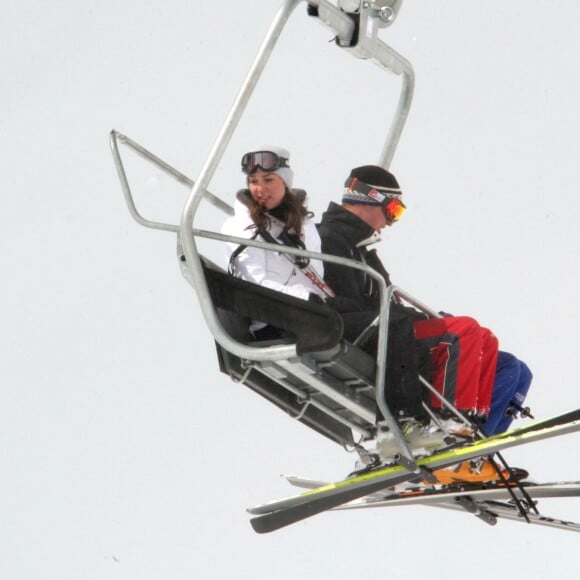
[{"x": 386, "y": 13}]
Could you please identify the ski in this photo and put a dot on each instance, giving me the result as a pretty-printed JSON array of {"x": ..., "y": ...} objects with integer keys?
[
  {"x": 567, "y": 417},
  {"x": 278, "y": 514},
  {"x": 509, "y": 511},
  {"x": 491, "y": 511},
  {"x": 488, "y": 502},
  {"x": 481, "y": 447},
  {"x": 430, "y": 495}
]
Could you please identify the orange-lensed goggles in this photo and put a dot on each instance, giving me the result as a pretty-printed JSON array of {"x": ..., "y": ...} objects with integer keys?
[{"x": 394, "y": 209}]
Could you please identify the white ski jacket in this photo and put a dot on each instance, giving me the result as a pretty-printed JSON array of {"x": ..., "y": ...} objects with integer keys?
[{"x": 271, "y": 269}]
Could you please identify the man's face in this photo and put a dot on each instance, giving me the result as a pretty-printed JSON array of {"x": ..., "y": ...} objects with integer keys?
[
  {"x": 377, "y": 218},
  {"x": 373, "y": 215}
]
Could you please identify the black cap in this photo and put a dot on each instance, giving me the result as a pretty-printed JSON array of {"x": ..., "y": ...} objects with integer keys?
[{"x": 375, "y": 177}]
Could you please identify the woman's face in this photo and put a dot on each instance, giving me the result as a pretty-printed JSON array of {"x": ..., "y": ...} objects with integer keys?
[{"x": 268, "y": 189}]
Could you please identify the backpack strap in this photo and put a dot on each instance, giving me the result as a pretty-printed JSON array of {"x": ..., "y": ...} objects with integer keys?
[{"x": 237, "y": 252}]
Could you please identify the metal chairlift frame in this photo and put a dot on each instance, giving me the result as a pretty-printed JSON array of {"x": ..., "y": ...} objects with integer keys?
[{"x": 355, "y": 25}]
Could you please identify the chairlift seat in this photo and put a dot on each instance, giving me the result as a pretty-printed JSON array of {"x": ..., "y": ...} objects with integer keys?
[{"x": 329, "y": 385}]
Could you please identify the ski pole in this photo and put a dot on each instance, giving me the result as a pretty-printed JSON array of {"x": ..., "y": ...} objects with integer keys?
[{"x": 300, "y": 262}]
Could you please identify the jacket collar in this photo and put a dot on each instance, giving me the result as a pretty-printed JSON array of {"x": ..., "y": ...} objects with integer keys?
[{"x": 350, "y": 225}]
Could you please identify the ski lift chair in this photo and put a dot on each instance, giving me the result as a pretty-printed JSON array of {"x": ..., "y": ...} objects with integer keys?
[
  {"x": 315, "y": 375},
  {"x": 328, "y": 385}
]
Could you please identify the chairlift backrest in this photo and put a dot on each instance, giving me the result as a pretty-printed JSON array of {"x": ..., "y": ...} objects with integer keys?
[{"x": 313, "y": 326}]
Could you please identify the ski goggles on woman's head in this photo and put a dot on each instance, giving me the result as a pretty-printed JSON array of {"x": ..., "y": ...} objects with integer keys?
[{"x": 264, "y": 160}]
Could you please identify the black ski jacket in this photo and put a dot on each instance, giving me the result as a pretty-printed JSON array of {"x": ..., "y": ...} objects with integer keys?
[
  {"x": 357, "y": 300},
  {"x": 341, "y": 233}
]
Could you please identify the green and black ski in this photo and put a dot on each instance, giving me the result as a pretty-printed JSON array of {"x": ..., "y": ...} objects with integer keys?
[{"x": 278, "y": 514}]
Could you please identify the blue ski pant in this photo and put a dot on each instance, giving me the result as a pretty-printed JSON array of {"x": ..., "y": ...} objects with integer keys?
[{"x": 511, "y": 385}]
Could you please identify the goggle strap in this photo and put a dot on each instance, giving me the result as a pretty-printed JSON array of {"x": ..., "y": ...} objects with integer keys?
[{"x": 354, "y": 184}]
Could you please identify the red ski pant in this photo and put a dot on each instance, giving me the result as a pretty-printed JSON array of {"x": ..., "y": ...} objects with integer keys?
[{"x": 464, "y": 357}]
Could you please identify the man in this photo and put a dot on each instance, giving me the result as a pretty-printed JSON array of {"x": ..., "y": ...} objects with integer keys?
[{"x": 463, "y": 355}]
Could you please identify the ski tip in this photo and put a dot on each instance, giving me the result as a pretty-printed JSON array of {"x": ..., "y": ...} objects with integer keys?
[{"x": 261, "y": 526}]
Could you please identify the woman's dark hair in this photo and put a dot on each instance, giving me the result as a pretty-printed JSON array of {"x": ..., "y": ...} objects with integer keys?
[{"x": 291, "y": 211}]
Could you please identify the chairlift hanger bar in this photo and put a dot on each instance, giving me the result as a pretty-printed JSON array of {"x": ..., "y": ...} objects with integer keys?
[{"x": 356, "y": 24}]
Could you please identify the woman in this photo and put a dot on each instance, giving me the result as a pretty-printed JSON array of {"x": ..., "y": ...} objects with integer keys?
[{"x": 269, "y": 207}]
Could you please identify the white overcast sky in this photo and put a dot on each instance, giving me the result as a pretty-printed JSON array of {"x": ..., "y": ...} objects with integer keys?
[{"x": 124, "y": 453}]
